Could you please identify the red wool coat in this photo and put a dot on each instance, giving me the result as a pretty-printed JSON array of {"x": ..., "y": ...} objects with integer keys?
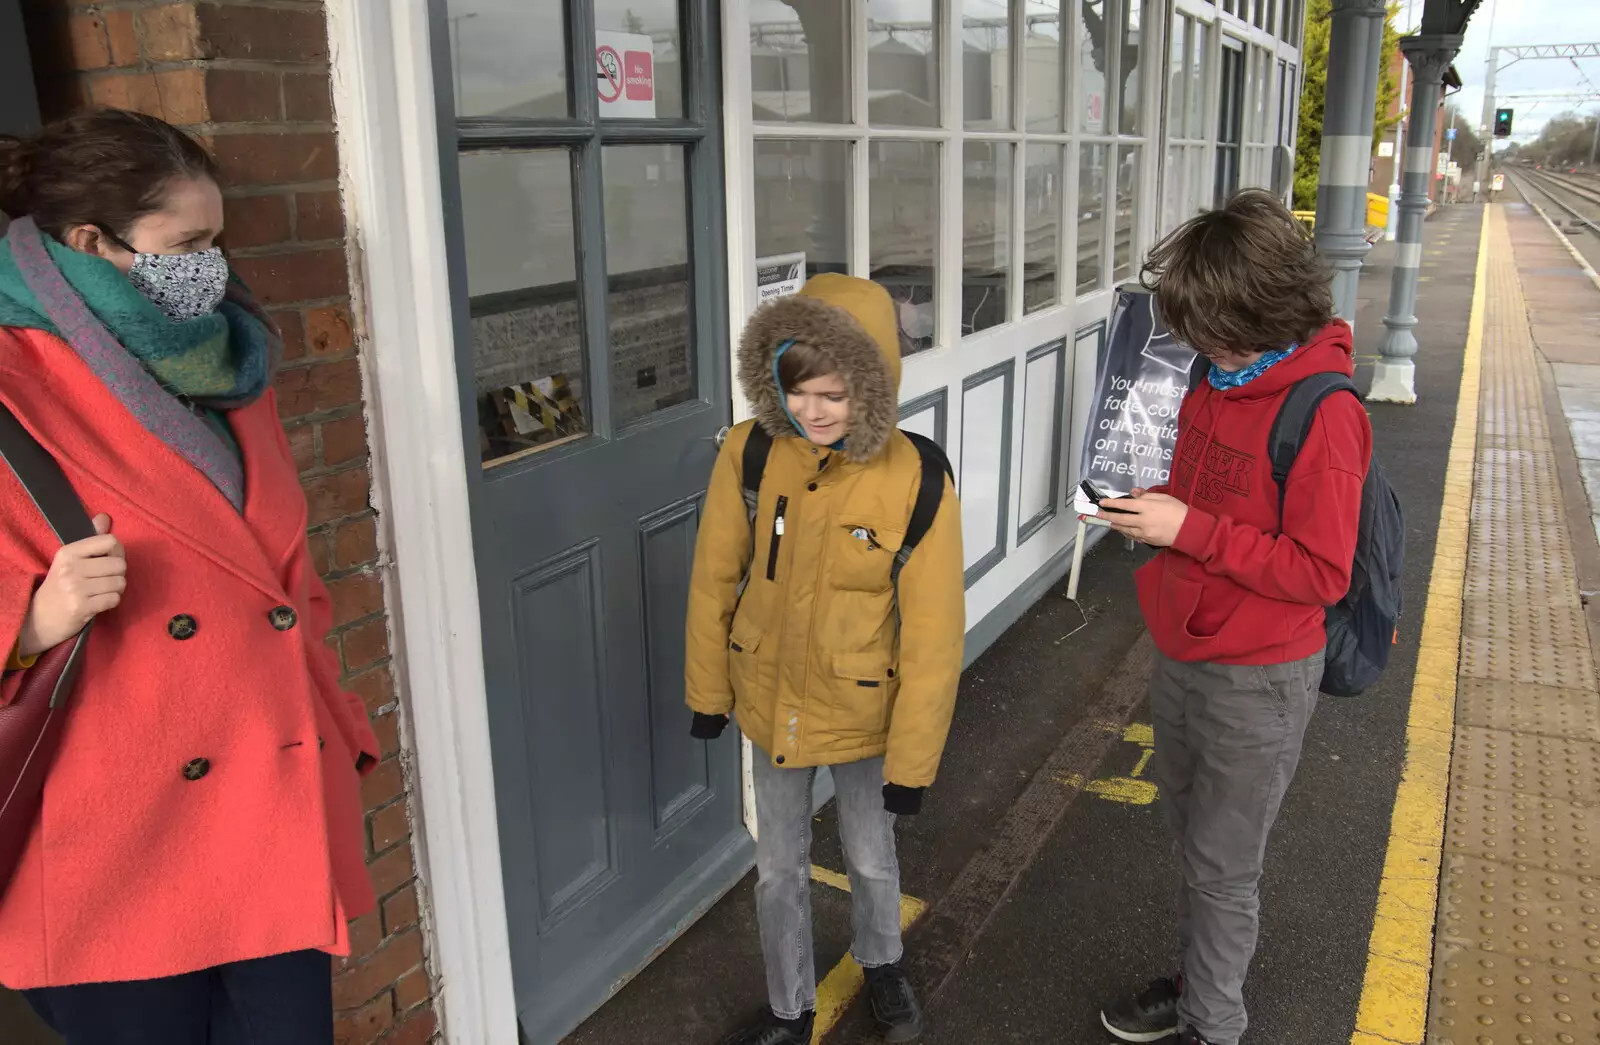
[{"x": 205, "y": 806}]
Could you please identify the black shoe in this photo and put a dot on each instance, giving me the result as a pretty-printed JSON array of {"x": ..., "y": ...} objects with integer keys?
[
  {"x": 771, "y": 1030},
  {"x": 894, "y": 1003},
  {"x": 1149, "y": 1016}
]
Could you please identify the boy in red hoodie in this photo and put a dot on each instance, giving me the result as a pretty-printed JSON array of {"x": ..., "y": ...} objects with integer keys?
[{"x": 1234, "y": 600}]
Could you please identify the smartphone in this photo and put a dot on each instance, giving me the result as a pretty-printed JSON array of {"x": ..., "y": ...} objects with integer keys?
[{"x": 1095, "y": 496}]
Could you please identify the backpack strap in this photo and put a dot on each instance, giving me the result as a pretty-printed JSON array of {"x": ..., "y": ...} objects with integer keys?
[
  {"x": 1293, "y": 423},
  {"x": 753, "y": 463},
  {"x": 930, "y": 492},
  {"x": 1199, "y": 370}
]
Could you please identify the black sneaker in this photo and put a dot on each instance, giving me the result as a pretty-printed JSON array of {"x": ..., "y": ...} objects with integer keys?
[
  {"x": 771, "y": 1030},
  {"x": 894, "y": 1004},
  {"x": 1149, "y": 1016}
]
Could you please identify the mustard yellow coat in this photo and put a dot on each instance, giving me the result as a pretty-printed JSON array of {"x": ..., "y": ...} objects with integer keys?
[{"x": 811, "y": 659}]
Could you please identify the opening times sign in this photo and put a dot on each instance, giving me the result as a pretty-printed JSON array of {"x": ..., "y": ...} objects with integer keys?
[{"x": 1133, "y": 428}]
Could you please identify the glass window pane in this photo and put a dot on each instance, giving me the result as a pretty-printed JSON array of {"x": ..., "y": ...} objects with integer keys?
[
  {"x": 1130, "y": 71},
  {"x": 1172, "y": 197},
  {"x": 903, "y": 190},
  {"x": 1176, "y": 81},
  {"x": 1272, "y": 16},
  {"x": 902, "y": 63},
  {"x": 802, "y": 202},
  {"x": 1091, "y": 216},
  {"x": 528, "y": 359},
  {"x": 986, "y": 235},
  {"x": 1126, "y": 225},
  {"x": 639, "y": 68},
  {"x": 508, "y": 58},
  {"x": 799, "y": 62},
  {"x": 1094, "y": 66},
  {"x": 648, "y": 288},
  {"x": 1044, "y": 73},
  {"x": 1199, "y": 61},
  {"x": 986, "y": 50},
  {"x": 1041, "y": 217}
]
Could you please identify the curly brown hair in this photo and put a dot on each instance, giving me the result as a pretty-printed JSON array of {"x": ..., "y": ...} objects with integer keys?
[{"x": 1240, "y": 280}]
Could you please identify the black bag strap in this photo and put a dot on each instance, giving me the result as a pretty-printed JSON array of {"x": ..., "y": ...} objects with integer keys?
[
  {"x": 930, "y": 492},
  {"x": 1293, "y": 423},
  {"x": 753, "y": 463},
  {"x": 1199, "y": 370},
  {"x": 42, "y": 477}
]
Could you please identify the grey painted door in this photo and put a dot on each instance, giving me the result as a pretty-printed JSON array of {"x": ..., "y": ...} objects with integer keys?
[{"x": 583, "y": 193}]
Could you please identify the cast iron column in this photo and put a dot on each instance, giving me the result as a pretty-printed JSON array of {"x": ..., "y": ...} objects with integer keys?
[
  {"x": 1394, "y": 380},
  {"x": 1354, "y": 46}
]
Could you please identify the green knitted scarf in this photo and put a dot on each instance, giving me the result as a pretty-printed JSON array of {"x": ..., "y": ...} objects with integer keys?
[{"x": 220, "y": 361}]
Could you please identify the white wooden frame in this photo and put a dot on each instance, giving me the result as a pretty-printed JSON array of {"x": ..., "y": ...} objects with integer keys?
[{"x": 388, "y": 144}]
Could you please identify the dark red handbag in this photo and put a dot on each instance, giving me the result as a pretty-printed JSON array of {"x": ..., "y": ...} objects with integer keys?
[{"x": 32, "y": 723}]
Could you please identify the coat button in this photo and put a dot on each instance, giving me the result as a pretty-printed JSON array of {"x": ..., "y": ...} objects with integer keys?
[
  {"x": 812, "y": 487},
  {"x": 321, "y": 743},
  {"x": 779, "y": 760},
  {"x": 182, "y": 627},
  {"x": 283, "y": 618},
  {"x": 196, "y": 768}
]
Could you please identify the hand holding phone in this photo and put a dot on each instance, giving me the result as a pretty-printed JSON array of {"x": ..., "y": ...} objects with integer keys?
[{"x": 1096, "y": 497}]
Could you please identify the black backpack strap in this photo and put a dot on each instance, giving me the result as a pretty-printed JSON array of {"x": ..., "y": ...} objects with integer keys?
[
  {"x": 44, "y": 481},
  {"x": 930, "y": 492},
  {"x": 1293, "y": 423},
  {"x": 753, "y": 463},
  {"x": 1199, "y": 370}
]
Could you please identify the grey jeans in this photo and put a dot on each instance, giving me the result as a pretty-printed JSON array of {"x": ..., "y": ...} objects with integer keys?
[
  {"x": 1227, "y": 741},
  {"x": 783, "y": 867}
]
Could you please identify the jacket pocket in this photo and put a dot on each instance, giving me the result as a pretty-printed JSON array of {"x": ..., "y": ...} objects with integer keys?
[
  {"x": 865, "y": 685},
  {"x": 743, "y": 642},
  {"x": 862, "y": 555}
]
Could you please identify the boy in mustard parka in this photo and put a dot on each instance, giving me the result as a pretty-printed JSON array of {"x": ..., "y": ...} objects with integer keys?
[{"x": 795, "y": 628}]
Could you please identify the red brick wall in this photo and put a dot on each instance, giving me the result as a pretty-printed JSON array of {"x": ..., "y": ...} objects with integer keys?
[{"x": 252, "y": 79}]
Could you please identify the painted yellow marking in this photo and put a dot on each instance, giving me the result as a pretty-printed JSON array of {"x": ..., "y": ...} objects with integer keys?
[
  {"x": 845, "y": 980},
  {"x": 1394, "y": 992},
  {"x": 1131, "y": 789}
]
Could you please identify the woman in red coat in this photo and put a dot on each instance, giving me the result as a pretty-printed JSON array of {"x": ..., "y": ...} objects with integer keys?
[{"x": 198, "y": 851}]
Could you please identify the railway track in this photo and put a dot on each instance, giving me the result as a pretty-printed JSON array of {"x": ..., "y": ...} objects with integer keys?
[{"x": 1572, "y": 199}]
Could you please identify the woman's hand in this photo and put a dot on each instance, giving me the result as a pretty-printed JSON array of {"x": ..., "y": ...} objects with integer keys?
[
  {"x": 1153, "y": 518},
  {"x": 86, "y": 579}
]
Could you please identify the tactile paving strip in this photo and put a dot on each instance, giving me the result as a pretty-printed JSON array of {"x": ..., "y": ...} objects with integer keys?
[{"x": 1517, "y": 952}]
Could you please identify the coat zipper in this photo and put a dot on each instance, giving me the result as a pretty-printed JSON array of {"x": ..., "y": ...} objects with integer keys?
[{"x": 777, "y": 539}]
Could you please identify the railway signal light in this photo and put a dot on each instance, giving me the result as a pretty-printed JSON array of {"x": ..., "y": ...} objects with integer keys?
[{"x": 1502, "y": 123}]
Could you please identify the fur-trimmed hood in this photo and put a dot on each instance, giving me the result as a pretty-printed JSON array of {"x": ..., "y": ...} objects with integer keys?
[{"x": 853, "y": 322}]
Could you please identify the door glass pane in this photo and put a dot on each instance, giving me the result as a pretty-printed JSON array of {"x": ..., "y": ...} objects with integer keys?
[
  {"x": 647, "y": 268},
  {"x": 903, "y": 192},
  {"x": 638, "y": 67},
  {"x": 1091, "y": 215},
  {"x": 1130, "y": 72},
  {"x": 986, "y": 52},
  {"x": 1044, "y": 55},
  {"x": 986, "y": 235},
  {"x": 1272, "y": 16},
  {"x": 1094, "y": 58},
  {"x": 1126, "y": 234},
  {"x": 1198, "y": 183},
  {"x": 799, "y": 62},
  {"x": 508, "y": 58},
  {"x": 1172, "y": 200},
  {"x": 1176, "y": 81},
  {"x": 528, "y": 360},
  {"x": 1198, "y": 59},
  {"x": 902, "y": 63},
  {"x": 802, "y": 203},
  {"x": 1041, "y": 216}
]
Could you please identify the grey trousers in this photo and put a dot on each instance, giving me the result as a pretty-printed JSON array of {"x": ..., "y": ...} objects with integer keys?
[
  {"x": 1227, "y": 742},
  {"x": 783, "y": 868}
]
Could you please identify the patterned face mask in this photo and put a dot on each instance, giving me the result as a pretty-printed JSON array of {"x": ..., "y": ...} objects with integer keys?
[{"x": 183, "y": 286}]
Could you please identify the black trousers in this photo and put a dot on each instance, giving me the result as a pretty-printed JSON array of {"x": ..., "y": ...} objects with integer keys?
[{"x": 283, "y": 1000}]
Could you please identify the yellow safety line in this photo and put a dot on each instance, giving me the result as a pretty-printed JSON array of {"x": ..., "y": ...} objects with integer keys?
[
  {"x": 1394, "y": 992},
  {"x": 845, "y": 980}
]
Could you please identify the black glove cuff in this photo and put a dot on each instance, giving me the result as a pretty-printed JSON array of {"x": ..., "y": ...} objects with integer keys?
[
  {"x": 708, "y": 727},
  {"x": 902, "y": 801}
]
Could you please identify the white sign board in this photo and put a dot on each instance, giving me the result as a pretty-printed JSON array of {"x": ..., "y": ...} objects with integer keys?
[
  {"x": 1499, "y": 182},
  {"x": 779, "y": 276},
  {"x": 1386, "y": 150},
  {"x": 625, "y": 75},
  {"x": 1444, "y": 164}
]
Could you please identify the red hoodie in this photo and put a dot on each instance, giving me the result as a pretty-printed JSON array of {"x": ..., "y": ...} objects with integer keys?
[{"x": 1239, "y": 586}]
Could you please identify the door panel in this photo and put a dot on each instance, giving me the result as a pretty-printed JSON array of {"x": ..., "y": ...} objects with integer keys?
[{"x": 587, "y": 271}]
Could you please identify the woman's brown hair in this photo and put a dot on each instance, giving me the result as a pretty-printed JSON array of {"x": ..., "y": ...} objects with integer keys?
[
  {"x": 106, "y": 168},
  {"x": 1242, "y": 279}
]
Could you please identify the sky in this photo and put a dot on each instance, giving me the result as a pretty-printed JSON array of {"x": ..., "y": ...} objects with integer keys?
[{"x": 1525, "y": 22}]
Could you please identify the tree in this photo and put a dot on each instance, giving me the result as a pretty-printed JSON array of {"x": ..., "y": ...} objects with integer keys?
[
  {"x": 633, "y": 23},
  {"x": 1468, "y": 144},
  {"x": 1314, "y": 90},
  {"x": 1565, "y": 141}
]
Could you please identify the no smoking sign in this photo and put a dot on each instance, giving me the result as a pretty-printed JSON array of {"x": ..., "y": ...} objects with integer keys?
[{"x": 625, "y": 75}]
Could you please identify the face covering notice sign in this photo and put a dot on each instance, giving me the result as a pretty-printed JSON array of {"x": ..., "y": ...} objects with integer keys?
[{"x": 1133, "y": 427}]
